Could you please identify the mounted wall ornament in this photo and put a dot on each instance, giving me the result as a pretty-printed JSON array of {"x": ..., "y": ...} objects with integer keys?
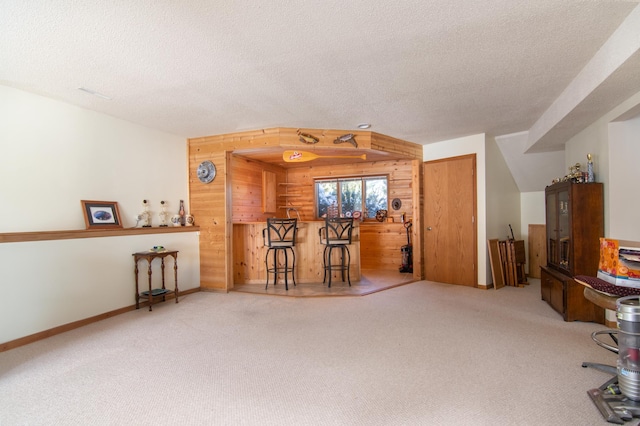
[
  {"x": 206, "y": 172},
  {"x": 301, "y": 156},
  {"x": 348, "y": 138},
  {"x": 396, "y": 203},
  {"x": 307, "y": 138},
  {"x": 381, "y": 215}
]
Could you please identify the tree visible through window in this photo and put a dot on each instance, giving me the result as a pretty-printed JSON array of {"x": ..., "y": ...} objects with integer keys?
[{"x": 349, "y": 195}]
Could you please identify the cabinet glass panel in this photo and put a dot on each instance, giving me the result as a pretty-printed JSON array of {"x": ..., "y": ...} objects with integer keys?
[
  {"x": 552, "y": 244},
  {"x": 563, "y": 229}
]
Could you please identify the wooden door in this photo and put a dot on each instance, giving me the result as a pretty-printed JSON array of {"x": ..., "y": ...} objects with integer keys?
[{"x": 450, "y": 235}]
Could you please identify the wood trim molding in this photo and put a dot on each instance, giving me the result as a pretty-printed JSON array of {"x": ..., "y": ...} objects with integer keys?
[
  {"x": 20, "y": 237},
  {"x": 12, "y": 344}
]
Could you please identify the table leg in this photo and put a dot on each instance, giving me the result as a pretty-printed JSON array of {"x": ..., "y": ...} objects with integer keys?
[
  {"x": 175, "y": 275},
  {"x": 164, "y": 298},
  {"x": 137, "y": 291},
  {"x": 150, "y": 296}
]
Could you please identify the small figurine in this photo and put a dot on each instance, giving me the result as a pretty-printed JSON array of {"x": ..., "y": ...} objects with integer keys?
[
  {"x": 575, "y": 174},
  {"x": 163, "y": 214},
  {"x": 145, "y": 216}
]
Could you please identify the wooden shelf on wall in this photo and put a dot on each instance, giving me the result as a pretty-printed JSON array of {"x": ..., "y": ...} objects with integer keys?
[{"x": 18, "y": 237}]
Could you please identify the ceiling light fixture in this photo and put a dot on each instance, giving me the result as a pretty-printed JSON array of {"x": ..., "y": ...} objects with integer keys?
[
  {"x": 364, "y": 126},
  {"x": 94, "y": 93}
]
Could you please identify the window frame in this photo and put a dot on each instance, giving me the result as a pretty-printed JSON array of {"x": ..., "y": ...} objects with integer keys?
[{"x": 337, "y": 179}]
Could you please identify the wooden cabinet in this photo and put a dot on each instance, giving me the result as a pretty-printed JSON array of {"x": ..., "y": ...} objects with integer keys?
[
  {"x": 574, "y": 225},
  {"x": 566, "y": 297}
]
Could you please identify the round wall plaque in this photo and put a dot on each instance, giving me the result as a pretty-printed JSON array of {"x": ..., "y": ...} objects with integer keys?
[
  {"x": 206, "y": 171},
  {"x": 396, "y": 203}
]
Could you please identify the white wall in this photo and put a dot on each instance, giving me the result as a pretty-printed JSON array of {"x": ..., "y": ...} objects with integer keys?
[
  {"x": 464, "y": 146},
  {"x": 503, "y": 196},
  {"x": 52, "y": 155},
  {"x": 597, "y": 140},
  {"x": 532, "y": 209},
  {"x": 624, "y": 178},
  {"x": 503, "y": 199},
  {"x": 532, "y": 212}
]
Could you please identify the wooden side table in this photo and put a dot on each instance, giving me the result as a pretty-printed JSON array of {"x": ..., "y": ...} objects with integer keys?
[{"x": 155, "y": 294}]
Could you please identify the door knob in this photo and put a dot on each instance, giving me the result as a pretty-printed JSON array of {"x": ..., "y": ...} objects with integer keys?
[{"x": 428, "y": 228}]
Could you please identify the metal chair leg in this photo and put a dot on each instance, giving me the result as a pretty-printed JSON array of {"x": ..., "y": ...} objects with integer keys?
[
  {"x": 329, "y": 265},
  {"x": 348, "y": 264},
  {"x": 286, "y": 267},
  {"x": 293, "y": 267},
  {"x": 266, "y": 265}
]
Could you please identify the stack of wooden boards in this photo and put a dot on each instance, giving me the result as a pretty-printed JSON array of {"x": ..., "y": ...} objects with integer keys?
[{"x": 507, "y": 260}]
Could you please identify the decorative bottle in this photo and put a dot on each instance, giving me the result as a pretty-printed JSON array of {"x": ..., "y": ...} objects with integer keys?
[
  {"x": 590, "y": 176},
  {"x": 181, "y": 212}
]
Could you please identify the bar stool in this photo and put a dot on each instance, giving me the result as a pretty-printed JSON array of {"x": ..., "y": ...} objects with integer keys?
[
  {"x": 336, "y": 233},
  {"x": 280, "y": 237}
]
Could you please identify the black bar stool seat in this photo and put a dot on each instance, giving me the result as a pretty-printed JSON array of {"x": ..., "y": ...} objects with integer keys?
[
  {"x": 336, "y": 234},
  {"x": 280, "y": 237}
]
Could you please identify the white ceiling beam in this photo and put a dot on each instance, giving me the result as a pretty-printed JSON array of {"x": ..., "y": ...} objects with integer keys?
[{"x": 621, "y": 47}]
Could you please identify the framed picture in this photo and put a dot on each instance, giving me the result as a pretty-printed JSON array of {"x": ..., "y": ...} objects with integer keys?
[{"x": 101, "y": 214}]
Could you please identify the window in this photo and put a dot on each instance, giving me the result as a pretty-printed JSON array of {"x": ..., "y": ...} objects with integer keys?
[{"x": 349, "y": 195}]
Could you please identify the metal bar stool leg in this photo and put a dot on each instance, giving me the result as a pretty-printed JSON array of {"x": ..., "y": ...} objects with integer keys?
[
  {"x": 285, "y": 270},
  {"x": 342, "y": 262},
  {"x": 266, "y": 265},
  {"x": 293, "y": 267},
  {"x": 275, "y": 266},
  {"x": 324, "y": 264},
  {"x": 329, "y": 265},
  {"x": 348, "y": 264}
]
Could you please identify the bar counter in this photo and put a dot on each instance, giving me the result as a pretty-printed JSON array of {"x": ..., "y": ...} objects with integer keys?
[{"x": 249, "y": 254}]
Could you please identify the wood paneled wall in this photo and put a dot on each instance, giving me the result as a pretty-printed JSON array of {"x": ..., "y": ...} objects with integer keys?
[
  {"x": 246, "y": 189},
  {"x": 208, "y": 204},
  {"x": 380, "y": 245},
  {"x": 235, "y": 194},
  {"x": 400, "y": 183},
  {"x": 380, "y": 242}
]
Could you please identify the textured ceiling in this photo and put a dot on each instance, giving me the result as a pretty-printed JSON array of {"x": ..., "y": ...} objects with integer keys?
[{"x": 419, "y": 70}]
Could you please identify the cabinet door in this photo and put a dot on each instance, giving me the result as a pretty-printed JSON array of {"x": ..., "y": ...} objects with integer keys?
[
  {"x": 564, "y": 228},
  {"x": 545, "y": 286},
  {"x": 557, "y": 296},
  {"x": 552, "y": 228}
]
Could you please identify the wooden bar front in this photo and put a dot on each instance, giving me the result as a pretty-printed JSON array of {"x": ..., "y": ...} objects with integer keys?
[{"x": 249, "y": 254}]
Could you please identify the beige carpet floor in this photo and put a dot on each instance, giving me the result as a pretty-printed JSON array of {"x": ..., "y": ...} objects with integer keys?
[{"x": 418, "y": 354}]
